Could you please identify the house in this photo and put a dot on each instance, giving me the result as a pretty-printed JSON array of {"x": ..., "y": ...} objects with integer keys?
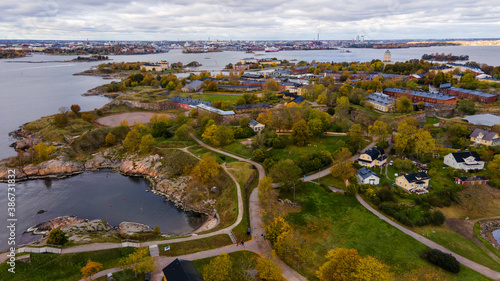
[
  {"x": 159, "y": 66},
  {"x": 484, "y": 137},
  {"x": 299, "y": 70},
  {"x": 382, "y": 102},
  {"x": 256, "y": 126},
  {"x": 194, "y": 86},
  {"x": 188, "y": 103},
  {"x": 181, "y": 270},
  {"x": 366, "y": 176},
  {"x": 420, "y": 96},
  {"x": 251, "y": 107},
  {"x": 415, "y": 182},
  {"x": 471, "y": 180},
  {"x": 373, "y": 157},
  {"x": 467, "y": 161},
  {"x": 467, "y": 94}
]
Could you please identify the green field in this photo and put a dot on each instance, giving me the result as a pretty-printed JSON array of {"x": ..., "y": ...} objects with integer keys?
[
  {"x": 213, "y": 97},
  {"x": 239, "y": 149},
  {"x": 293, "y": 152},
  {"x": 62, "y": 267},
  {"x": 198, "y": 245},
  {"x": 199, "y": 151},
  {"x": 332, "y": 220}
]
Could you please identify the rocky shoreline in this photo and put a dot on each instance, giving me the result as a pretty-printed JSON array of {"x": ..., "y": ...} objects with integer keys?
[
  {"x": 98, "y": 91},
  {"x": 487, "y": 228}
]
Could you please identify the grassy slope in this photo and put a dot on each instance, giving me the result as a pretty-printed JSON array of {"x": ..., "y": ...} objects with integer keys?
[
  {"x": 188, "y": 247},
  {"x": 241, "y": 261},
  {"x": 331, "y": 220},
  {"x": 315, "y": 145}
]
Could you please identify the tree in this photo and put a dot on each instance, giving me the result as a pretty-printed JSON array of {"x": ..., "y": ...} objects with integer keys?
[
  {"x": 160, "y": 129},
  {"x": 344, "y": 168},
  {"x": 403, "y": 104},
  {"x": 133, "y": 140},
  {"x": 355, "y": 137},
  {"x": 494, "y": 165},
  {"x": 57, "y": 237},
  {"x": 147, "y": 143},
  {"x": 316, "y": 127},
  {"x": 379, "y": 130},
  {"x": 285, "y": 172},
  {"x": 87, "y": 117},
  {"x": 90, "y": 269},
  {"x": 110, "y": 139},
  {"x": 219, "y": 269},
  {"x": 139, "y": 261},
  {"x": 213, "y": 135},
  {"x": 240, "y": 101},
  {"x": 268, "y": 270},
  {"x": 206, "y": 169},
  {"x": 371, "y": 269},
  {"x": 342, "y": 108},
  {"x": 466, "y": 106},
  {"x": 75, "y": 108},
  {"x": 244, "y": 122},
  {"x": 275, "y": 229},
  {"x": 183, "y": 132},
  {"x": 406, "y": 130},
  {"x": 212, "y": 87},
  {"x": 271, "y": 85},
  {"x": 61, "y": 120},
  {"x": 300, "y": 133},
  {"x": 124, "y": 123},
  {"x": 341, "y": 264},
  {"x": 43, "y": 151},
  {"x": 423, "y": 142},
  {"x": 443, "y": 260}
]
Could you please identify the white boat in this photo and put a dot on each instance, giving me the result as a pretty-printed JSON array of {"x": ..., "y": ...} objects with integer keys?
[{"x": 271, "y": 49}]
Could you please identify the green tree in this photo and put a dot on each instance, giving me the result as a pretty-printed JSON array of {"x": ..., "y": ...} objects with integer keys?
[
  {"x": 342, "y": 108},
  {"x": 403, "y": 104},
  {"x": 43, "y": 151},
  {"x": 494, "y": 165},
  {"x": 160, "y": 129},
  {"x": 268, "y": 270},
  {"x": 285, "y": 172},
  {"x": 183, "y": 132},
  {"x": 438, "y": 79},
  {"x": 240, "y": 101},
  {"x": 300, "y": 133},
  {"x": 316, "y": 127},
  {"x": 57, "y": 237},
  {"x": 90, "y": 269},
  {"x": 219, "y": 269},
  {"x": 133, "y": 140},
  {"x": 466, "y": 106},
  {"x": 61, "y": 120},
  {"x": 110, "y": 139},
  {"x": 139, "y": 261},
  {"x": 147, "y": 143},
  {"x": 344, "y": 168},
  {"x": 355, "y": 137}
]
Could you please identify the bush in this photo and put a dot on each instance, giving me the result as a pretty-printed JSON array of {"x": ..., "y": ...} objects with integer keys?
[
  {"x": 385, "y": 195},
  {"x": 443, "y": 260},
  {"x": 314, "y": 161},
  {"x": 241, "y": 133},
  {"x": 280, "y": 142},
  {"x": 61, "y": 120},
  {"x": 87, "y": 117},
  {"x": 259, "y": 155},
  {"x": 57, "y": 237},
  {"x": 436, "y": 217},
  {"x": 495, "y": 183}
]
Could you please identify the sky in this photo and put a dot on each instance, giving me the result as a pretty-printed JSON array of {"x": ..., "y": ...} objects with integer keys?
[{"x": 248, "y": 20}]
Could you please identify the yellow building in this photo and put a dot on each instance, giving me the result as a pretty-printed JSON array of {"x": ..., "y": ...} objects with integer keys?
[
  {"x": 484, "y": 137},
  {"x": 382, "y": 102},
  {"x": 159, "y": 66},
  {"x": 416, "y": 182},
  {"x": 373, "y": 157}
]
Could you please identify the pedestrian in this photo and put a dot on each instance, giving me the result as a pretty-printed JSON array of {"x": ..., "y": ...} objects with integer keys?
[{"x": 242, "y": 243}]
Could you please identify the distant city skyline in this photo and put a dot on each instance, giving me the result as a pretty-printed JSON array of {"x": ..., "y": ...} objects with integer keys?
[{"x": 248, "y": 20}]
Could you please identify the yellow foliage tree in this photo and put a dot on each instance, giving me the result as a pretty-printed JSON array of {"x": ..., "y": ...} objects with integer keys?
[
  {"x": 110, "y": 139},
  {"x": 124, "y": 123},
  {"x": 379, "y": 129},
  {"x": 212, "y": 135},
  {"x": 43, "y": 151},
  {"x": 371, "y": 269},
  {"x": 340, "y": 265},
  {"x": 423, "y": 142},
  {"x": 276, "y": 228},
  {"x": 494, "y": 165},
  {"x": 139, "y": 261},
  {"x": 147, "y": 143},
  {"x": 90, "y": 269},
  {"x": 133, "y": 140},
  {"x": 268, "y": 270},
  {"x": 219, "y": 269}
]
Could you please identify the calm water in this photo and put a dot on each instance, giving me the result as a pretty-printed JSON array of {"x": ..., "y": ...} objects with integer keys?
[
  {"x": 89, "y": 195},
  {"x": 496, "y": 235},
  {"x": 32, "y": 90}
]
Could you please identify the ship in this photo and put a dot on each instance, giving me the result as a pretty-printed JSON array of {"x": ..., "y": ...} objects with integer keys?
[{"x": 271, "y": 49}]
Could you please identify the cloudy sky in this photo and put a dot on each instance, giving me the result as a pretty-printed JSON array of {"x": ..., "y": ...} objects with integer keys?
[{"x": 252, "y": 19}]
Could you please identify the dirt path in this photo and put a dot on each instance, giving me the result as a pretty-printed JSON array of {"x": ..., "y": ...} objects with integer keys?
[{"x": 131, "y": 117}]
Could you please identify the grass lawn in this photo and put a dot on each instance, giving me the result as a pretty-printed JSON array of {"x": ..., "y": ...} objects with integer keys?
[
  {"x": 239, "y": 149},
  {"x": 330, "y": 220},
  {"x": 199, "y": 151},
  {"x": 62, "y": 267},
  {"x": 315, "y": 145},
  {"x": 189, "y": 247},
  {"x": 241, "y": 261},
  {"x": 248, "y": 179},
  {"x": 125, "y": 275},
  {"x": 430, "y": 120}
]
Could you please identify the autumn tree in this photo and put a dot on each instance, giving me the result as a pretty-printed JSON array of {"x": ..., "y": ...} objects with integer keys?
[
  {"x": 206, "y": 169},
  {"x": 90, "y": 269},
  {"x": 268, "y": 270},
  {"x": 300, "y": 133},
  {"x": 423, "y": 142},
  {"x": 403, "y": 104},
  {"x": 124, "y": 123},
  {"x": 271, "y": 85},
  {"x": 57, "y": 237},
  {"x": 110, "y": 139},
  {"x": 75, "y": 108},
  {"x": 379, "y": 130},
  {"x": 285, "y": 172},
  {"x": 139, "y": 261},
  {"x": 219, "y": 269},
  {"x": 133, "y": 140},
  {"x": 371, "y": 269},
  {"x": 407, "y": 128},
  {"x": 183, "y": 132},
  {"x": 43, "y": 151},
  {"x": 343, "y": 168},
  {"x": 275, "y": 229},
  {"x": 218, "y": 135},
  {"x": 342, "y": 108},
  {"x": 355, "y": 137},
  {"x": 147, "y": 143},
  {"x": 494, "y": 165},
  {"x": 61, "y": 120},
  {"x": 341, "y": 264}
]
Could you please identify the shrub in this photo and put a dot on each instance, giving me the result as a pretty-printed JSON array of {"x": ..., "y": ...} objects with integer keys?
[
  {"x": 241, "y": 133},
  {"x": 61, "y": 120},
  {"x": 57, "y": 237},
  {"x": 280, "y": 142},
  {"x": 443, "y": 260},
  {"x": 110, "y": 139},
  {"x": 495, "y": 183},
  {"x": 436, "y": 217},
  {"x": 259, "y": 155},
  {"x": 87, "y": 117},
  {"x": 385, "y": 195}
]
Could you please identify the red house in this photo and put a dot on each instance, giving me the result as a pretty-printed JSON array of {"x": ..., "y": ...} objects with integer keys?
[{"x": 471, "y": 180}]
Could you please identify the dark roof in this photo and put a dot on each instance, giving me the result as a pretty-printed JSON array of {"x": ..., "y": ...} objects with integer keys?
[
  {"x": 193, "y": 85},
  {"x": 472, "y": 92},
  {"x": 300, "y": 68},
  {"x": 375, "y": 152},
  {"x": 299, "y": 100},
  {"x": 253, "y": 122},
  {"x": 252, "y": 105},
  {"x": 416, "y": 177},
  {"x": 181, "y": 270},
  {"x": 487, "y": 135},
  {"x": 476, "y": 178},
  {"x": 239, "y": 86},
  {"x": 189, "y": 101},
  {"x": 447, "y": 85},
  {"x": 366, "y": 173},
  {"x": 251, "y": 76},
  {"x": 420, "y": 93},
  {"x": 460, "y": 156}
]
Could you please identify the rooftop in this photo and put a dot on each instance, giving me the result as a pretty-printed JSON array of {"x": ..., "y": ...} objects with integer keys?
[
  {"x": 483, "y": 119},
  {"x": 472, "y": 92},
  {"x": 215, "y": 110},
  {"x": 421, "y": 94},
  {"x": 366, "y": 173},
  {"x": 381, "y": 98},
  {"x": 189, "y": 101}
]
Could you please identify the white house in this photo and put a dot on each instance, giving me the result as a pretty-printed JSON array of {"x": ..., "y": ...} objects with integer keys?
[
  {"x": 467, "y": 161},
  {"x": 366, "y": 176},
  {"x": 256, "y": 126}
]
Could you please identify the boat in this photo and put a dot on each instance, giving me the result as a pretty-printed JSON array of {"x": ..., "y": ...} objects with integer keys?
[
  {"x": 345, "y": 51},
  {"x": 271, "y": 49}
]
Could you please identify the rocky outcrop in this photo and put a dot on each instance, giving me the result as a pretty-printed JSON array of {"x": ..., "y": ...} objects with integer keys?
[
  {"x": 59, "y": 222},
  {"x": 26, "y": 139},
  {"x": 131, "y": 228},
  {"x": 149, "y": 166},
  {"x": 99, "y": 91},
  {"x": 53, "y": 168},
  {"x": 100, "y": 162}
]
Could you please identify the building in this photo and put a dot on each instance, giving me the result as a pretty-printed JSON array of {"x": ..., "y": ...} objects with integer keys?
[
  {"x": 471, "y": 180},
  {"x": 415, "y": 182},
  {"x": 484, "y": 137},
  {"x": 251, "y": 107},
  {"x": 256, "y": 126},
  {"x": 241, "y": 66},
  {"x": 373, "y": 157},
  {"x": 366, "y": 176},
  {"x": 207, "y": 108},
  {"x": 249, "y": 76},
  {"x": 467, "y": 94},
  {"x": 419, "y": 96},
  {"x": 181, "y": 270},
  {"x": 466, "y": 161},
  {"x": 159, "y": 66},
  {"x": 239, "y": 88},
  {"x": 188, "y": 103},
  {"x": 248, "y": 61},
  {"x": 299, "y": 70},
  {"x": 483, "y": 119},
  {"x": 382, "y": 102},
  {"x": 387, "y": 56},
  {"x": 194, "y": 86}
]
